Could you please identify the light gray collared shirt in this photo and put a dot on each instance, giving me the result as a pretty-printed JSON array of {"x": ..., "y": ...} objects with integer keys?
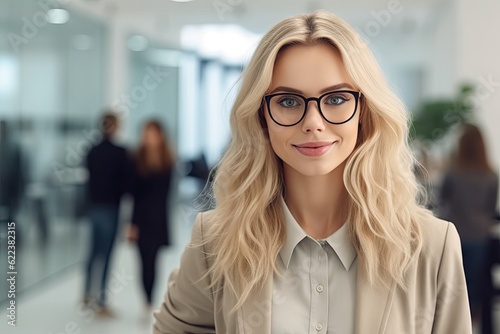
[{"x": 316, "y": 294}]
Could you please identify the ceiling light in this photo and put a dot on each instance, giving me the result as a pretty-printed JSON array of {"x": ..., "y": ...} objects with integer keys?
[
  {"x": 230, "y": 43},
  {"x": 57, "y": 16},
  {"x": 181, "y": 0}
]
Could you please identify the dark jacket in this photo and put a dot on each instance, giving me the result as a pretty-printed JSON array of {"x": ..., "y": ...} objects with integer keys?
[
  {"x": 12, "y": 177},
  {"x": 108, "y": 167}
]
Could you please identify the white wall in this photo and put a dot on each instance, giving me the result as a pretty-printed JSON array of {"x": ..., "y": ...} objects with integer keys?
[{"x": 441, "y": 50}]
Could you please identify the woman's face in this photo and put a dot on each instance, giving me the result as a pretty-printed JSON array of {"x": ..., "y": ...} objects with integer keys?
[
  {"x": 152, "y": 137},
  {"x": 312, "y": 147}
]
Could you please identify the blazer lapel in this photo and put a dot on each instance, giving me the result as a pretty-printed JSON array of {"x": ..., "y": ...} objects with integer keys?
[
  {"x": 373, "y": 305},
  {"x": 254, "y": 317}
]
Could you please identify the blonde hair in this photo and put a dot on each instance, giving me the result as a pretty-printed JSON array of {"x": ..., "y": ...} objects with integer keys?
[{"x": 247, "y": 229}]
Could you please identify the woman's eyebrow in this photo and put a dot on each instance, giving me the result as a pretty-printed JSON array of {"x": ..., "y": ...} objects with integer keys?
[
  {"x": 324, "y": 90},
  {"x": 335, "y": 87}
]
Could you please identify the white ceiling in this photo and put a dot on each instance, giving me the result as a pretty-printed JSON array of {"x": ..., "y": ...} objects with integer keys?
[
  {"x": 162, "y": 20},
  {"x": 165, "y": 16}
]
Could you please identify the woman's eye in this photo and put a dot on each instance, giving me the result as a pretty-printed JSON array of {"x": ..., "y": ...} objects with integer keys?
[
  {"x": 288, "y": 102},
  {"x": 335, "y": 99}
]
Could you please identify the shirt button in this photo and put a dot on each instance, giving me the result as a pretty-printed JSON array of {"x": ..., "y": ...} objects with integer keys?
[
  {"x": 320, "y": 288},
  {"x": 319, "y": 326}
]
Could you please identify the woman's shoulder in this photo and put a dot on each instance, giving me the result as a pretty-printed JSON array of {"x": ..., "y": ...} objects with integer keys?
[
  {"x": 432, "y": 226},
  {"x": 200, "y": 239},
  {"x": 204, "y": 220},
  {"x": 438, "y": 236}
]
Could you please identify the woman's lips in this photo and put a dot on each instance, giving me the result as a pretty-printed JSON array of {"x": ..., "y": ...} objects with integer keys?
[{"x": 313, "y": 149}]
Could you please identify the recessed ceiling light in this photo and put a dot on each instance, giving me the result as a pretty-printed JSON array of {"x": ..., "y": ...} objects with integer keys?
[
  {"x": 57, "y": 16},
  {"x": 230, "y": 43},
  {"x": 181, "y": 0}
]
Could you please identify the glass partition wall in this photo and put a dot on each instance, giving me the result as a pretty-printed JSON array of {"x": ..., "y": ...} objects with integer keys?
[{"x": 51, "y": 88}]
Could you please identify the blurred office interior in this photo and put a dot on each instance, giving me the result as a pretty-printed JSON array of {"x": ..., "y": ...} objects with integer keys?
[{"x": 62, "y": 62}]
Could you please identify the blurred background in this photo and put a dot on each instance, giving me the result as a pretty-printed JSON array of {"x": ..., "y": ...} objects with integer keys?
[{"x": 62, "y": 62}]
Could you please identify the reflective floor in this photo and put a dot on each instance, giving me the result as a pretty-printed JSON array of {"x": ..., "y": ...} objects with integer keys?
[
  {"x": 54, "y": 305},
  {"x": 57, "y": 308}
]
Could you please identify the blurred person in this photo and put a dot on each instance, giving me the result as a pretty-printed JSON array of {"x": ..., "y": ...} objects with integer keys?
[
  {"x": 468, "y": 197},
  {"x": 107, "y": 165},
  {"x": 12, "y": 176},
  {"x": 318, "y": 226},
  {"x": 153, "y": 165},
  {"x": 12, "y": 182}
]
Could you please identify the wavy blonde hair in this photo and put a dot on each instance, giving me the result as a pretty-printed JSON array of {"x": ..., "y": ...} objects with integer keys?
[{"x": 247, "y": 231}]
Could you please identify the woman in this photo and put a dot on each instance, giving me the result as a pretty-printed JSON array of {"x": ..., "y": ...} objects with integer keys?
[
  {"x": 153, "y": 165},
  {"x": 317, "y": 228},
  {"x": 468, "y": 196}
]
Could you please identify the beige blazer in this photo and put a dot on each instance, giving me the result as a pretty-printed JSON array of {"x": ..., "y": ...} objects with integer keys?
[{"x": 434, "y": 302}]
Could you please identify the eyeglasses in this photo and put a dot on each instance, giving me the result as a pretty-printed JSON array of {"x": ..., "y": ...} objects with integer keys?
[{"x": 289, "y": 109}]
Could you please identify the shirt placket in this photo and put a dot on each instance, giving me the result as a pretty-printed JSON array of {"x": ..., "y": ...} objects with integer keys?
[{"x": 319, "y": 288}]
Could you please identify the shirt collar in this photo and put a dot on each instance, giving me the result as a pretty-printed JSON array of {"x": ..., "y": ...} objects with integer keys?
[{"x": 339, "y": 241}]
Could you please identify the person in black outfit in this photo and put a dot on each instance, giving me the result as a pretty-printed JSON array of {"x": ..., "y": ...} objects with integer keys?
[
  {"x": 12, "y": 176},
  {"x": 153, "y": 163},
  {"x": 108, "y": 171}
]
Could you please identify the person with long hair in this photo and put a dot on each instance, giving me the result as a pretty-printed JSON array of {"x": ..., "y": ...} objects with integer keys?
[
  {"x": 153, "y": 165},
  {"x": 468, "y": 197},
  {"x": 317, "y": 226}
]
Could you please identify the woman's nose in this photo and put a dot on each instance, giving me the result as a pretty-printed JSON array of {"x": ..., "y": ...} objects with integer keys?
[{"x": 313, "y": 120}]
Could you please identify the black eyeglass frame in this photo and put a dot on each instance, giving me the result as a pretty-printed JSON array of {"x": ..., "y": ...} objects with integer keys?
[{"x": 356, "y": 95}]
